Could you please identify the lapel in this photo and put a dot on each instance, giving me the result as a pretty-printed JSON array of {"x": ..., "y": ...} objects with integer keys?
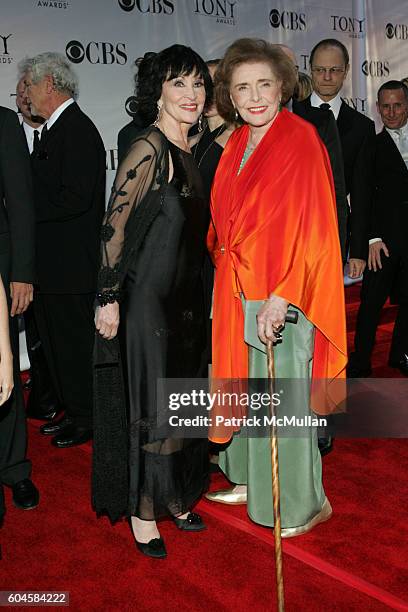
[
  {"x": 390, "y": 150},
  {"x": 345, "y": 119},
  {"x": 306, "y": 103},
  {"x": 68, "y": 112}
]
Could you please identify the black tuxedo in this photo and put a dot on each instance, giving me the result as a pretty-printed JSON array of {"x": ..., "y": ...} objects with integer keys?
[
  {"x": 389, "y": 221},
  {"x": 357, "y": 136},
  {"x": 324, "y": 122},
  {"x": 16, "y": 264},
  {"x": 69, "y": 192}
]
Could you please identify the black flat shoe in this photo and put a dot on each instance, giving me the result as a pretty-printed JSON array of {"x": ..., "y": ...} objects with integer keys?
[
  {"x": 155, "y": 548},
  {"x": 193, "y": 522}
]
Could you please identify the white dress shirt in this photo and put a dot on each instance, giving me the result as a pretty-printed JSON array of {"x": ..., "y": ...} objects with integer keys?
[
  {"x": 334, "y": 104},
  {"x": 400, "y": 137},
  {"x": 29, "y": 134},
  {"x": 58, "y": 111}
]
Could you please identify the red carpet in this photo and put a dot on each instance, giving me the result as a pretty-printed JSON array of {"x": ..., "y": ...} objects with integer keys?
[{"x": 356, "y": 561}]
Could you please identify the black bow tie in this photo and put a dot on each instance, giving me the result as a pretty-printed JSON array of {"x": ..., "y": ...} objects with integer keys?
[{"x": 325, "y": 106}]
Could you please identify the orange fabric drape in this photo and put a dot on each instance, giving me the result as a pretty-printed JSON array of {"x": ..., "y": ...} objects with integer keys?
[{"x": 274, "y": 230}]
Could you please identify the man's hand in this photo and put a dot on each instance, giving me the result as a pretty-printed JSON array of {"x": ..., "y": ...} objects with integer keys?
[
  {"x": 21, "y": 297},
  {"x": 271, "y": 318},
  {"x": 356, "y": 267},
  {"x": 374, "y": 255},
  {"x": 107, "y": 320}
]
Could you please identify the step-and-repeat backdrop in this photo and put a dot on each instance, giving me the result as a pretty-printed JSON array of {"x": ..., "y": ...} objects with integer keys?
[{"x": 102, "y": 38}]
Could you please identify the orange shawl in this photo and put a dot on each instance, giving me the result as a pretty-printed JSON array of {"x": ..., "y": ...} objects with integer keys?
[{"x": 274, "y": 230}]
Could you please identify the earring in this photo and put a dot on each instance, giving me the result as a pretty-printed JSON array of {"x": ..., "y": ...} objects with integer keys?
[
  {"x": 200, "y": 123},
  {"x": 236, "y": 115},
  {"x": 280, "y": 105},
  {"x": 158, "y": 116}
]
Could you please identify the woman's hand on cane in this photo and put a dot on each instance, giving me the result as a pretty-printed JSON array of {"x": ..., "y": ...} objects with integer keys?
[
  {"x": 107, "y": 320},
  {"x": 271, "y": 318}
]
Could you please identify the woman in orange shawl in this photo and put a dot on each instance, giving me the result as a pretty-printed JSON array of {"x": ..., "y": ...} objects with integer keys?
[{"x": 274, "y": 243}]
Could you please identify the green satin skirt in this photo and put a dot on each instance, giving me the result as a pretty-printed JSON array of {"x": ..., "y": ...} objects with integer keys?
[{"x": 248, "y": 460}]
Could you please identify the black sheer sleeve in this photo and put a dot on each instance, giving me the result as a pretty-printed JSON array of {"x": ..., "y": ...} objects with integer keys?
[{"x": 138, "y": 185}]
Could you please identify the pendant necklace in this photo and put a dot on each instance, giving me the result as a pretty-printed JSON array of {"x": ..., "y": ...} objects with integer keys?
[{"x": 219, "y": 131}]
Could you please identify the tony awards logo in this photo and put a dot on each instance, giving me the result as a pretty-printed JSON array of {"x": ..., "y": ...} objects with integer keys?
[{"x": 5, "y": 57}]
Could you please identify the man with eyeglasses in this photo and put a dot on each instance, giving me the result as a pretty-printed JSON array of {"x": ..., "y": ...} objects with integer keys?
[
  {"x": 329, "y": 63},
  {"x": 388, "y": 252}
]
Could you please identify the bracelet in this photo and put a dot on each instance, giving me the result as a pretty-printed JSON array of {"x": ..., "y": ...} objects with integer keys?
[{"x": 109, "y": 297}]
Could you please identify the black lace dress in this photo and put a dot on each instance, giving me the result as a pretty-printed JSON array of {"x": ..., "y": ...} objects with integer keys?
[{"x": 153, "y": 251}]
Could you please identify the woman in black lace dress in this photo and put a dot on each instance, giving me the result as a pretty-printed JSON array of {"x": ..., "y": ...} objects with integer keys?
[{"x": 153, "y": 247}]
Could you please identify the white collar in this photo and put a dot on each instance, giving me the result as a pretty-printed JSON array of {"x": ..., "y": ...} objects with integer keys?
[
  {"x": 334, "y": 104},
  {"x": 29, "y": 129},
  {"x": 58, "y": 111},
  {"x": 400, "y": 131}
]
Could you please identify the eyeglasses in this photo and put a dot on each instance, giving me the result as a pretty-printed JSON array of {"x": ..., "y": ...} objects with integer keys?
[{"x": 334, "y": 70}]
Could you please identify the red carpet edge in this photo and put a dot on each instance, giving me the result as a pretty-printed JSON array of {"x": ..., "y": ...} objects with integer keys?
[{"x": 307, "y": 558}]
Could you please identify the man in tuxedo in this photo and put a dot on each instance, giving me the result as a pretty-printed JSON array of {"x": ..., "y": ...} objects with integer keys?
[
  {"x": 41, "y": 403},
  {"x": 17, "y": 271},
  {"x": 329, "y": 63},
  {"x": 388, "y": 245},
  {"x": 324, "y": 122},
  {"x": 69, "y": 194}
]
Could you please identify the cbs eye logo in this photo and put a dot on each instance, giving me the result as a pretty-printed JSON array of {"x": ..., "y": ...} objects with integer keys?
[
  {"x": 389, "y": 30},
  {"x": 96, "y": 52},
  {"x": 131, "y": 106},
  {"x": 75, "y": 52},
  {"x": 157, "y": 7},
  {"x": 127, "y": 5}
]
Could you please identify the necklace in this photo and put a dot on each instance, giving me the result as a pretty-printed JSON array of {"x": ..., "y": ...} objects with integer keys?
[
  {"x": 247, "y": 154},
  {"x": 171, "y": 140},
  {"x": 217, "y": 132}
]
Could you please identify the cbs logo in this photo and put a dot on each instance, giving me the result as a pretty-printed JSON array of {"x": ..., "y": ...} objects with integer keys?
[{"x": 96, "y": 52}]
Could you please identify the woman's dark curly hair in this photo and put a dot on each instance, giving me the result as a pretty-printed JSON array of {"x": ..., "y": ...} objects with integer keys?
[{"x": 156, "y": 68}]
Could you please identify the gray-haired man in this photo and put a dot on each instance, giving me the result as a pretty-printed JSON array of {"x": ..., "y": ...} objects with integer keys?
[{"x": 69, "y": 193}]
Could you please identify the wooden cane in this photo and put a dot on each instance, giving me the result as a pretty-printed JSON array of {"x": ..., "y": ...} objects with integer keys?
[{"x": 275, "y": 484}]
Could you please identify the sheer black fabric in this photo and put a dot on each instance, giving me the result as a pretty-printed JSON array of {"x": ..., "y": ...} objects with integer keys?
[{"x": 153, "y": 252}]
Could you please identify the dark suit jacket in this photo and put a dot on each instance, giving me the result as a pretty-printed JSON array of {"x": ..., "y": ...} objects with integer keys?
[
  {"x": 357, "y": 135},
  {"x": 325, "y": 123},
  {"x": 69, "y": 193},
  {"x": 17, "y": 222},
  {"x": 389, "y": 218},
  {"x": 128, "y": 134}
]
